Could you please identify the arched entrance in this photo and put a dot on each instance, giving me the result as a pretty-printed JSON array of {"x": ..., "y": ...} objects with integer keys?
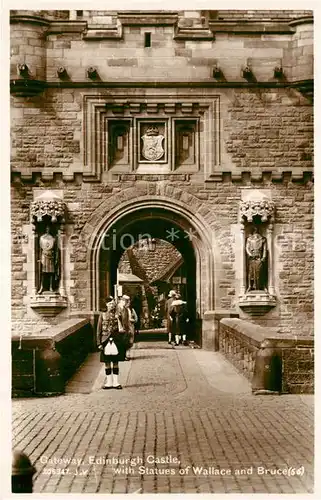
[{"x": 159, "y": 219}]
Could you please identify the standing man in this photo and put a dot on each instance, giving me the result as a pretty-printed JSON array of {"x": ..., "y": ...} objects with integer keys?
[
  {"x": 172, "y": 296},
  {"x": 110, "y": 344},
  {"x": 136, "y": 305},
  {"x": 133, "y": 318},
  {"x": 123, "y": 315}
]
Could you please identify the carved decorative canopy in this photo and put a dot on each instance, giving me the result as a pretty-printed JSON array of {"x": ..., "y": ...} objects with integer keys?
[
  {"x": 50, "y": 205},
  {"x": 262, "y": 208}
]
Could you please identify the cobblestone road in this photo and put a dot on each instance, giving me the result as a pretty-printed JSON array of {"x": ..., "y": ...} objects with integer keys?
[{"x": 186, "y": 407}]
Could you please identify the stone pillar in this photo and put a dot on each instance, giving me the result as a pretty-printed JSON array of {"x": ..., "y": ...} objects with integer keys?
[
  {"x": 34, "y": 260},
  {"x": 61, "y": 245},
  {"x": 243, "y": 261},
  {"x": 211, "y": 334},
  {"x": 270, "y": 258},
  {"x": 208, "y": 331}
]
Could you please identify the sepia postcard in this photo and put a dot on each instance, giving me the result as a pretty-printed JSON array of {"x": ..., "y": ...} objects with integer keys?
[{"x": 162, "y": 248}]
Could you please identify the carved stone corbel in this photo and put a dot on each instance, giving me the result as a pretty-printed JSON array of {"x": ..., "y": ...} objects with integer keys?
[
  {"x": 262, "y": 208},
  {"x": 50, "y": 205}
]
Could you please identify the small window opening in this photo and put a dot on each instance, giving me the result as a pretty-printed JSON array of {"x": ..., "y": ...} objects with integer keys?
[
  {"x": 79, "y": 13},
  {"x": 148, "y": 39}
]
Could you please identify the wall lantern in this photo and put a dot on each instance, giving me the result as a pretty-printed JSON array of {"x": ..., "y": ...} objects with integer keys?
[
  {"x": 92, "y": 72},
  {"x": 23, "y": 70},
  {"x": 217, "y": 72},
  {"x": 247, "y": 73},
  {"x": 61, "y": 72},
  {"x": 278, "y": 72}
]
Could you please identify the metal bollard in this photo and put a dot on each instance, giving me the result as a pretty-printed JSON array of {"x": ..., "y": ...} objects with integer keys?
[
  {"x": 267, "y": 377},
  {"x": 22, "y": 473}
]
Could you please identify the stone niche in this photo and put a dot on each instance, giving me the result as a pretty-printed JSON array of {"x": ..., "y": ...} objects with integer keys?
[
  {"x": 48, "y": 223},
  {"x": 119, "y": 143},
  {"x": 257, "y": 294},
  {"x": 186, "y": 143}
]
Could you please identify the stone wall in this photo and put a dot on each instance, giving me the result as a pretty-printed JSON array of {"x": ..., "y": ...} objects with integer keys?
[
  {"x": 184, "y": 46},
  {"x": 298, "y": 366},
  {"x": 293, "y": 245},
  {"x": 267, "y": 131},
  {"x": 42, "y": 363},
  {"x": 266, "y": 15},
  {"x": 260, "y": 132},
  {"x": 291, "y": 358}
]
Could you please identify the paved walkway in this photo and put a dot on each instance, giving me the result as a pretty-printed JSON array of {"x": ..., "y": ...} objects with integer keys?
[{"x": 185, "y": 421}]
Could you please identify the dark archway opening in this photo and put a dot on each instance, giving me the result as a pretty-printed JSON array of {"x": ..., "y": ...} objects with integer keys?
[{"x": 157, "y": 224}]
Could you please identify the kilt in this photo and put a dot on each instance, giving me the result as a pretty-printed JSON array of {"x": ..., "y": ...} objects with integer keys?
[{"x": 121, "y": 342}]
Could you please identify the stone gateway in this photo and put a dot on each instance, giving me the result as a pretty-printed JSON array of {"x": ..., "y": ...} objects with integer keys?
[{"x": 151, "y": 144}]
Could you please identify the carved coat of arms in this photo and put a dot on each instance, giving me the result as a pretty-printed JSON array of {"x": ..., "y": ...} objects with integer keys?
[{"x": 152, "y": 144}]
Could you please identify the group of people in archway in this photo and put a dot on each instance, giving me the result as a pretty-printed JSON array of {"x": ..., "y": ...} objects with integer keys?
[{"x": 117, "y": 327}]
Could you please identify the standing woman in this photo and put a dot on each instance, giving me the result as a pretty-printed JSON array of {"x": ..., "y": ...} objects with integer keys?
[
  {"x": 180, "y": 319},
  {"x": 123, "y": 317},
  {"x": 110, "y": 344},
  {"x": 133, "y": 318},
  {"x": 168, "y": 305}
]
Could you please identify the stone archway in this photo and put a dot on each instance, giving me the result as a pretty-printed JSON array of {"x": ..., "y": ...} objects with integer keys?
[{"x": 184, "y": 215}]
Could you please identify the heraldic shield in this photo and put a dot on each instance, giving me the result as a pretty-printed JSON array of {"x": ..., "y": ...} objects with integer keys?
[{"x": 152, "y": 145}]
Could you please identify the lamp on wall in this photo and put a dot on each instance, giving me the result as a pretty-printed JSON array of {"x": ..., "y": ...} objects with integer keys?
[
  {"x": 23, "y": 70},
  {"x": 217, "y": 72},
  {"x": 92, "y": 72},
  {"x": 61, "y": 72},
  {"x": 278, "y": 72}
]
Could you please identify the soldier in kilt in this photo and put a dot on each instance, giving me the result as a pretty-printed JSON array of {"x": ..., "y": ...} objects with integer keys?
[{"x": 110, "y": 344}]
